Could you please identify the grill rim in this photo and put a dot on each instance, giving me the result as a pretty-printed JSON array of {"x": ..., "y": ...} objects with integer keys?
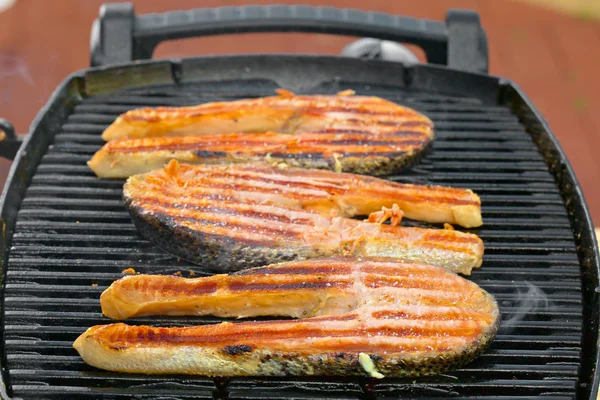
[
  {"x": 490, "y": 89},
  {"x": 581, "y": 225}
]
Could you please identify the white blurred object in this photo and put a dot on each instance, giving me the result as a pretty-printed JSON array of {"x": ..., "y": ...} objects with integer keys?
[
  {"x": 380, "y": 49},
  {"x": 6, "y": 4}
]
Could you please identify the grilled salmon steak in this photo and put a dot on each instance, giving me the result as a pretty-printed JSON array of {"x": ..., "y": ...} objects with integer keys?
[
  {"x": 358, "y": 134},
  {"x": 238, "y": 216},
  {"x": 374, "y": 317}
]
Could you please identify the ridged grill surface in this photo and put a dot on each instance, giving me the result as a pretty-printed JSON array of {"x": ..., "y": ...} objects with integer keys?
[{"x": 74, "y": 237}]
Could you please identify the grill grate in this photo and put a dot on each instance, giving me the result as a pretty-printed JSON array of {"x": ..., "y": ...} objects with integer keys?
[{"x": 73, "y": 238}]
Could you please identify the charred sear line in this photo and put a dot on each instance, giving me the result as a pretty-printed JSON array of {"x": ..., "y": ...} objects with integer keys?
[
  {"x": 286, "y": 155},
  {"x": 416, "y": 122},
  {"x": 168, "y": 220},
  {"x": 281, "y": 181},
  {"x": 273, "y": 232},
  {"x": 362, "y": 109},
  {"x": 431, "y": 316},
  {"x": 273, "y": 332},
  {"x": 243, "y": 146},
  {"x": 440, "y": 237},
  {"x": 217, "y": 252},
  {"x": 220, "y": 209},
  {"x": 367, "y": 153},
  {"x": 402, "y": 133},
  {"x": 325, "y": 270},
  {"x": 411, "y": 124},
  {"x": 379, "y": 137},
  {"x": 209, "y": 154},
  {"x": 328, "y": 153},
  {"x": 241, "y": 287},
  {"x": 236, "y": 350},
  {"x": 341, "y": 318},
  {"x": 368, "y": 141},
  {"x": 197, "y": 288}
]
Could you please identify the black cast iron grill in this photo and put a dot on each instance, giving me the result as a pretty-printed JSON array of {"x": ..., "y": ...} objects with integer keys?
[
  {"x": 73, "y": 232},
  {"x": 72, "y": 236}
]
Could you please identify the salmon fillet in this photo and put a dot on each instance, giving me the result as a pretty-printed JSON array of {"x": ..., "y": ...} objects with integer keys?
[
  {"x": 375, "y": 317},
  {"x": 231, "y": 217},
  {"x": 357, "y": 134}
]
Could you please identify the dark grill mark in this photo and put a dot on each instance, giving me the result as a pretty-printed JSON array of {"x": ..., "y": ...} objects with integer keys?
[
  {"x": 416, "y": 123},
  {"x": 361, "y": 109},
  {"x": 252, "y": 149},
  {"x": 219, "y": 208},
  {"x": 373, "y": 154},
  {"x": 197, "y": 288},
  {"x": 450, "y": 238},
  {"x": 403, "y": 123},
  {"x": 244, "y": 181},
  {"x": 450, "y": 315},
  {"x": 246, "y": 143},
  {"x": 273, "y": 234},
  {"x": 407, "y": 282},
  {"x": 371, "y": 141},
  {"x": 252, "y": 331},
  {"x": 325, "y": 270},
  {"x": 236, "y": 350},
  {"x": 356, "y": 134},
  {"x": 234, "y": 112},
  {"x": 328, "y": 153},
  {"x": 241, "y": 287},
  {"x": 345, "y": 317},
  {"x": 236, "y": 141},
  {"x": 209, "y": 154},
  {"x": 289, "y": 155}
]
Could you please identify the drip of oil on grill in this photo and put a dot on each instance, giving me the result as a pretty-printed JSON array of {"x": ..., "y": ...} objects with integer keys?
[{"x": 74, "y": 237}]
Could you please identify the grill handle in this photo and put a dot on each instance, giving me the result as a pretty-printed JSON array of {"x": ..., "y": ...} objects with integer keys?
[
  {"x": 119, "y": 36},
  {"x": 9, "y": 142}
]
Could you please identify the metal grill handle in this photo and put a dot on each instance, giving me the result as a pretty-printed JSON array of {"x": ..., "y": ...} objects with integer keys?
[{"x": 119, "y": 36}]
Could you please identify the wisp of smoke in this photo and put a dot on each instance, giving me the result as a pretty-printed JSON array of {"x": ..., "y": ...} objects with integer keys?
[
  {"x": 530, "y": 299},
  {"x": 14, "y": 65}
]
